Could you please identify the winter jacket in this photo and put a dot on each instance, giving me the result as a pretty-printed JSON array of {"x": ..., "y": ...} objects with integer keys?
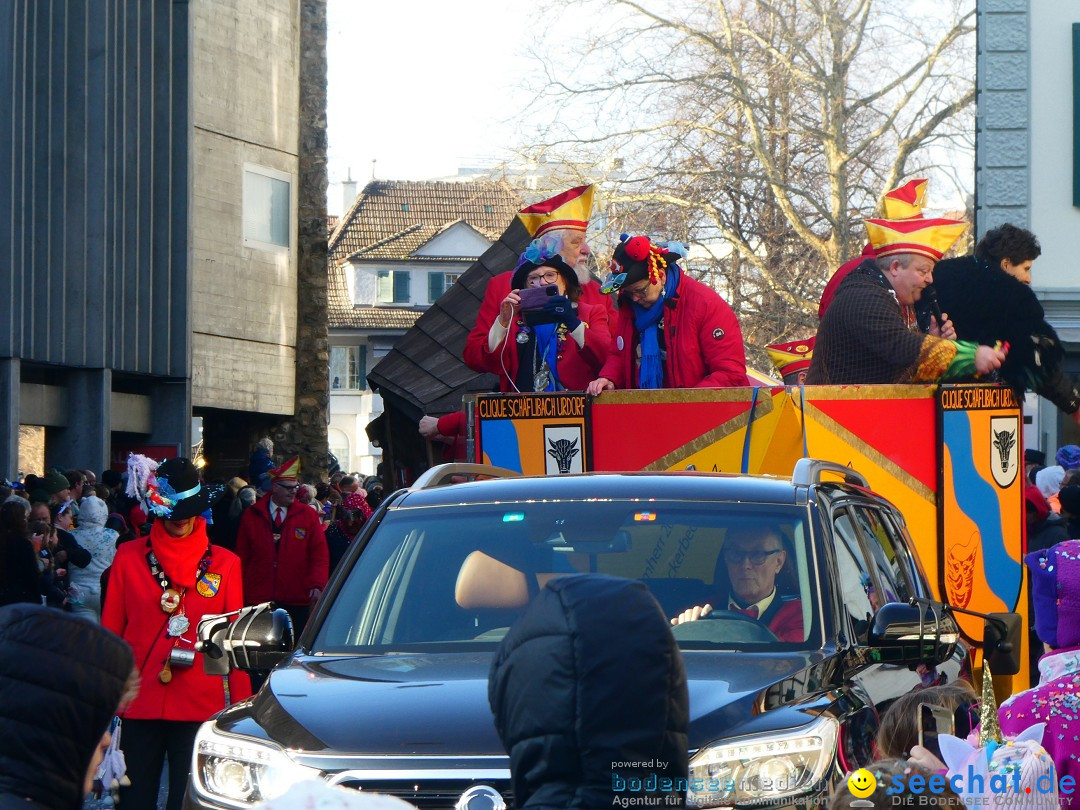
[
  {"x": 285, "y": 574},
  {"x": 496, "y": 290},
  {"x": 702, "y": 337},
  {"x": 986, "y": 304},
  {"x": 564, "y": 707},
  {"x": 101, "y": 543},
  {"x": 576, "y": 366},
  {"x": 133, "y": 611},
  {"x": 61, "y": 680}
]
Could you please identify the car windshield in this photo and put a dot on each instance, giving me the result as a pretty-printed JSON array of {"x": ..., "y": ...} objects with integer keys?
[{"x": 459, "y": 576}]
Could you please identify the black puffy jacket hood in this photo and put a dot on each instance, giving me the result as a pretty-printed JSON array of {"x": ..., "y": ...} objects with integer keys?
[
  {"x": 61, "y": 680},
  {"x": 587, "y": 686}
]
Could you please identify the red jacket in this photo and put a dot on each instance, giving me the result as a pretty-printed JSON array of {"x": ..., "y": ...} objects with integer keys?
[
  {"x": 133, "y": 611},
  {"x": 576, "y": 366},
  {"x": 497, "y": 289},
  {"x": 454, "y": 426},
  {"x": 286, "y": 574},
  {"x": 704, "y": 342}
]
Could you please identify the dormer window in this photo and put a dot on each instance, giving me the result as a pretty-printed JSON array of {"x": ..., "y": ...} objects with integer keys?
[{"x": 393, "y": 287}]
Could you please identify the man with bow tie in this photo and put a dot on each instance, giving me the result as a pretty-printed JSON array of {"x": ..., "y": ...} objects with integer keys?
[{"x": 753, "y": 557}]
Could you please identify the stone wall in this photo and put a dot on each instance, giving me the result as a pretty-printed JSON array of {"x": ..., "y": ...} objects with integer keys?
[
  {"x": 305, "y": 434},
  {"x": 1002, "y": 139}
]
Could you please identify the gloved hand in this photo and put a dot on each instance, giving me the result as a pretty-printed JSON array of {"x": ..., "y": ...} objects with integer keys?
[{"x": 560, "y": 308}]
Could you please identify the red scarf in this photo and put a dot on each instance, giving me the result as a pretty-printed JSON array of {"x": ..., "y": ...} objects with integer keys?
[{"x": 179, "y": 556}]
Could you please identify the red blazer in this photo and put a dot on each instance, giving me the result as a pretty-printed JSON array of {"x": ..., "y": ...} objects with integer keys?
[
  {"x": 497, "y": 289},
  {"x": 576, "y": 366},
  {"x": 133, "y": 611},
  {"x": 704, "y": 342},
  {"x": 786, "y": 623},
  {"x": 288, "y": 573}
]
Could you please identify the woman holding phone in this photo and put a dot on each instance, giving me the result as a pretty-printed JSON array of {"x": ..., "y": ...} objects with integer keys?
[{"x": 545, "y": 338}]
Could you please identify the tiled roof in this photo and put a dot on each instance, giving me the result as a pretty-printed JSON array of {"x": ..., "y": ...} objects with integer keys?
[
  {"x": 391, "y": 219},
  {"x": 424, "y": 371},
  {"x": 372, "y": 317},
  {"x": 331, "y": 223},
  {"x": 385, "y": 208}
]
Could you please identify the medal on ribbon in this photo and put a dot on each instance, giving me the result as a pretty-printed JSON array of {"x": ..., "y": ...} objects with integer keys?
[{"x": 542, "y": 378}]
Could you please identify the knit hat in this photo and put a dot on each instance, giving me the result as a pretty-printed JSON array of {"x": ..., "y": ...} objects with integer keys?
[
  {"x": 1049, "y": 480},
  {"x": 1034, "y": 499},
  {"x": 569, "y": 210},
  {"x": 1055, "y": 592},
  {"x": 1068, "y": 457},
  {"x": 1069, "y": 498},
  {"x": 353, "y": 501},
  {"x": 55, "y": 481}
]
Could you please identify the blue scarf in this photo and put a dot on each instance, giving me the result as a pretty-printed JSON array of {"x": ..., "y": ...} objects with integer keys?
[
  {"x": 646, "y": 324},
  {"x": 547, "y": 347}
]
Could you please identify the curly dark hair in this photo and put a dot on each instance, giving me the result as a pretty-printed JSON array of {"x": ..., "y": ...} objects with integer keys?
[{"x": 1010, "y": 242}]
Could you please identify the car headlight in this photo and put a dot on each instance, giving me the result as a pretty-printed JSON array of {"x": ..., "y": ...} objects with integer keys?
[
  {"x": 763, "y": 767},
  {"x": 240, "y": 772}
]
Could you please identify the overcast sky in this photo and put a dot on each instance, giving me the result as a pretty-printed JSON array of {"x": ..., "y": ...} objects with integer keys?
[{"x": 421, "y": 86}]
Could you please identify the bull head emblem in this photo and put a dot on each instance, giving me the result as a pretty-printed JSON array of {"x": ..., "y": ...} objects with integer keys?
[
  {"x": 1004, "y": 441},
  {"x": 563, "y": 451}
]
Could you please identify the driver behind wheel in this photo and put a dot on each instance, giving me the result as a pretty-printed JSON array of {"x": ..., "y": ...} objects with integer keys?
[{"x": 753, "y": 557}]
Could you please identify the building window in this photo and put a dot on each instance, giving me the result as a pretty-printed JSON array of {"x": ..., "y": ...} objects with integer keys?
[
  {"x": 438, "y": 283},
  {"x": 348, "y": 368},
  {"x": 267, "y": 196},
  {"x": 393, "y": 287}
]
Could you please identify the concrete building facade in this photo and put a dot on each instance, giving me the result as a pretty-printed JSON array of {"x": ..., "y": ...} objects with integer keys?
[
  {"x": 150, "y": 195},
  {"x": 1027, "y": 162}
]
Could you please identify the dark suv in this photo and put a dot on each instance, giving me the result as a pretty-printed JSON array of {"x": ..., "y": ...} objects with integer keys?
[{"x": 387, "y": 688}]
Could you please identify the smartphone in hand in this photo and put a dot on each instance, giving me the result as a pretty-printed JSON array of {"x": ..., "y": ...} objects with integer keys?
[
  {"x": 933, "y": 720},
  {"x": 534, "y": 298}
]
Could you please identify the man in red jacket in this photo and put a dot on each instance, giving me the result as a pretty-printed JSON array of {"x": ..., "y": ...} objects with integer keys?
[
  {"x": 672, "y": 331},
  {"x": 282, "y": 548}
]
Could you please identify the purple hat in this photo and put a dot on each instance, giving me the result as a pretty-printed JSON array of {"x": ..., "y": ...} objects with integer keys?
[
  {"x": 1055, "y": 591},
  {"x": 1068, "y": 457}
]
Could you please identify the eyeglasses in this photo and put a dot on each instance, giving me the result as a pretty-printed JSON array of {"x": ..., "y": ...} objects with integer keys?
[
  {"x": 287, "y": 487},
  {"x": 549, "y": 277},
  {"x": 638, "y": 290},
  {"x": 736, "y": 556}
]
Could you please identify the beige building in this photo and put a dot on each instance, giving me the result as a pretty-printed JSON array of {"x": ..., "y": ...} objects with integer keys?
[{"x": 393, "y": 254}]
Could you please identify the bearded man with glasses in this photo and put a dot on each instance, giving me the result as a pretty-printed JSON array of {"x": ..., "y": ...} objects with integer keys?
[
  {"x": 752, "y": 559},
  {"x": 282, "y": 548}
]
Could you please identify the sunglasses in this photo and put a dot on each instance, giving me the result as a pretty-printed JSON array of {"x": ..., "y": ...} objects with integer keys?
[{"x": 736, "y": 556}]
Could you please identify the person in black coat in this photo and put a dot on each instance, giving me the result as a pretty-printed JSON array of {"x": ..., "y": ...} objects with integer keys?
[
  {"x": 988, "y": 298},
  {"x": 589, "y": 676},
  {"x": 19, "y": 579},
  {"x": 62, "y": 679}
]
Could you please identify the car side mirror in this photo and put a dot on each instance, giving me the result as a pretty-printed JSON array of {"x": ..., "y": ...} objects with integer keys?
[
  {"x": 913, "y": 634},
  {"x": 1001, "y": 642},
  {"x": 252, "y": 638}
]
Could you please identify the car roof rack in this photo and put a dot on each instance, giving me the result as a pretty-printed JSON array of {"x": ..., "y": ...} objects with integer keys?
[
  {"x": 441, "y": 475},
  {"x": 808, "y": 471}
]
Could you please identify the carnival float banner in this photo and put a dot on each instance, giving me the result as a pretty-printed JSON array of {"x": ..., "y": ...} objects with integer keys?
[{"x": 946, "y": 456}]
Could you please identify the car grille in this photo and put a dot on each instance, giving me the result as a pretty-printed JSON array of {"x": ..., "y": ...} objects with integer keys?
[{"x": 430, "y": 794}]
